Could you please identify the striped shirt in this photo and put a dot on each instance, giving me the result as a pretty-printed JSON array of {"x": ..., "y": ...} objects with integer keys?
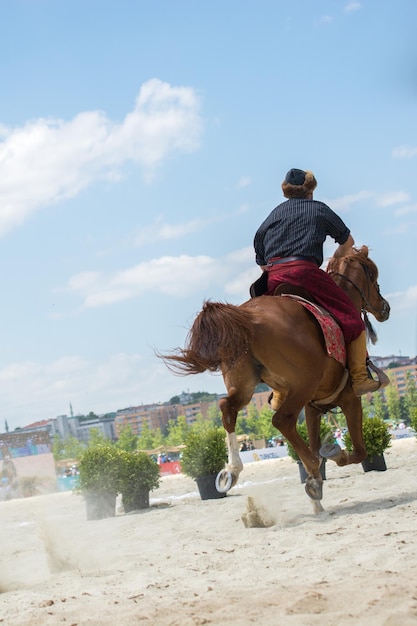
[{"x": 298, "y": 227}]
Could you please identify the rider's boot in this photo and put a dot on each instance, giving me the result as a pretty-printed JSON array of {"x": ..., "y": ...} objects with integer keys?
[{"x": 362, "y": 383}]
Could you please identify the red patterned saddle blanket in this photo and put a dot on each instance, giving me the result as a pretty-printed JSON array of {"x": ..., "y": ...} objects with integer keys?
[{"x": 333, "y": 336}]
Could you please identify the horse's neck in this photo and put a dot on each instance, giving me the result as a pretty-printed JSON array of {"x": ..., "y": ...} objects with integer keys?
[{"x": 346, "y": 277}]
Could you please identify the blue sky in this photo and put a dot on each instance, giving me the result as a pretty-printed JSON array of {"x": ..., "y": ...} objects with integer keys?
[{"x": 142, "y": 144}]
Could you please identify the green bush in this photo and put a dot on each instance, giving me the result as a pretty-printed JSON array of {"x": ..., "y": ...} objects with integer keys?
[
  {"x": 139, "y": 474},
  {"x": 100, "y": 469},
  {"x": 325, "y": 432},
  {"x": 376, "y": 436},
  {"x": 205, "y": 452}
]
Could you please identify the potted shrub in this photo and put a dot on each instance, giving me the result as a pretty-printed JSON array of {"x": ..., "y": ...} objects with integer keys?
[
  {"x": 325, "y": 433},
  {"x": 139, "y": 475},
  {"x": 377, "y": 439},
  {"x": 99, "y": 479},
  {"x": 203, "y": 457}
]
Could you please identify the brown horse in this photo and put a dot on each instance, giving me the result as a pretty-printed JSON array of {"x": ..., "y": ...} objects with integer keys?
[{"x": 273, "y": 339}]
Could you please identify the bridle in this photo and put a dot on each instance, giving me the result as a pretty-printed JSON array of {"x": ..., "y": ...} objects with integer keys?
[{"x": 366, "y": 305}]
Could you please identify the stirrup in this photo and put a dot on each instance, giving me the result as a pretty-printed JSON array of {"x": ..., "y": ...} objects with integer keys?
[{"x": 384, "y": 381}]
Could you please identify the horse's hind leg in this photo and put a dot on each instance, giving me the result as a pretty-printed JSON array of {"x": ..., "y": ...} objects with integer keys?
[
  {"x": 228, "y": 477},
  {"x": 238, "y": 396}
]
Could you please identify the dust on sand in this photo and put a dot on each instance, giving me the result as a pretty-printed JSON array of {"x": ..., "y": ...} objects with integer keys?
[{"x": 186, "y": 561}]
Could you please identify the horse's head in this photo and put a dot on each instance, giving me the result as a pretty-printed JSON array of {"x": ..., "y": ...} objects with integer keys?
[{"x": 357, "y": 275}]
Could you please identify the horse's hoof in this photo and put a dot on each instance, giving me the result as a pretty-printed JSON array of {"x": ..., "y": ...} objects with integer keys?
[
  {"x": 330, "y": 450},
  {"x": 317, "y": 508},
  {"x": 314, "y": 488},
  {"x": 224, "y": 481}
]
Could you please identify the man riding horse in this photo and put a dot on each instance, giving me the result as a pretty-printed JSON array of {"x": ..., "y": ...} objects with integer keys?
[{"x": 289, "y": 249}]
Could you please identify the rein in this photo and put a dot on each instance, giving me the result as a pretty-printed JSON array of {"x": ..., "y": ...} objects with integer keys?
[{"x": 365, "y": 301}]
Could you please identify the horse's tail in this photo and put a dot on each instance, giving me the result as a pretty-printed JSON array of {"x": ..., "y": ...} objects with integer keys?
[{"x": 220, "y": 334}]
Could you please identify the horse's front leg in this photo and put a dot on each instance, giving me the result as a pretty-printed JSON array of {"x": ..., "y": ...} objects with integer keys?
[
  {"x": 285, "y": 420},
  {"x": 228, "y": 477}
]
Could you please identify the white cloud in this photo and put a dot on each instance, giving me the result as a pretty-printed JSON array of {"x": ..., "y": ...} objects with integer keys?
[
  {"x": 404, "y": 152},
  {"x": 325, "y": 19},
  {"x": 398, "y": 229},
  {"x": 405, "y": 210},
  {"x": 403, "y": 301},
  {"x": 352, "y": 6},
  {"x": 345, "y": 202},
  {"x": 174, "y": 276},
  {"x": 162, "y": 231},
  {"x": 238, "y": 257},
  {"x": 239, "y": 285},
  {"x": 47, "y": 160},
  {"x": 121, "y": 379},
  {"x": 394, "y": 197},
  {"x": 245, "y": 181}
]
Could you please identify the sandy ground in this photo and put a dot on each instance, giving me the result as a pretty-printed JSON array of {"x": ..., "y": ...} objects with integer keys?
[{"x": 186, "y": 561}]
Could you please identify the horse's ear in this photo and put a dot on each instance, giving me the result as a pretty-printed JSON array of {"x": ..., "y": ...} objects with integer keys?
[{"x": 364, "y": 250}]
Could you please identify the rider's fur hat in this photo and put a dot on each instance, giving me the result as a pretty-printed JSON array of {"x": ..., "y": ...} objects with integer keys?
[{"x": 298, "y": 183}]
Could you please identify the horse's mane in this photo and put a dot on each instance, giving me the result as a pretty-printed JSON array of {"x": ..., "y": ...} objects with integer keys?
[{"x": 357, "y": 254}]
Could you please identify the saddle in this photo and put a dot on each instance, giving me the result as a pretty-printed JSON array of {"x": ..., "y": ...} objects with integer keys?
[
  {"x": 260, "y": 287},
  {"x": 335, "y": 343}
]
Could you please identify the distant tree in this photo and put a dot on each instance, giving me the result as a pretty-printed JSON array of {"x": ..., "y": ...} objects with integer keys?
[
  {"x": 413, "y": 418},
  {"x": 214, "y": 414},
  {"x": 266, "y": 428},
  {"x": 410, "y": 396},
  {"x": 251, "y": 423},
  {"x": 196, "y": 396},
  {"x": 393, "y": 404},
  {"x": 96, "y": 437},
  {"x": 242, "y": 425},
  {"x": 367, "y": 407},
  {"x": 203, "y": 396},
  {"x": 146, "y": 439},
  {"x": 67, "y": 448},
  {"x": 127, "y": 439},
  {"x": 403, "y": 410},
  {"x": 158, "y": 438},
  {"x": 177, "y": 431},
  {"x": 380, "y": 409}
]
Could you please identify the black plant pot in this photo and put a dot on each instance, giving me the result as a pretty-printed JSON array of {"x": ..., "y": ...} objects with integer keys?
[
  {"x": 376, "y": 463},
  {"x": 304, "y": 475},
  {"x": 100, "y": 505},
  {"x": 136, "y": 501},
  {"x": 207, "y": 488}
]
